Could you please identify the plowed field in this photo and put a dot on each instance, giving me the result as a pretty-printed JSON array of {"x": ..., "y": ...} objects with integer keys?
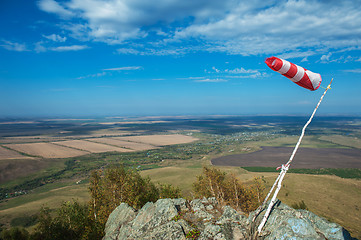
[
  {"x": 91, "y": 146},
  {"x": 8, "y": 154},
  {"x": 304, "y": 158},
  {"x": 121, "y": 143},
  {"x": 46, "y": 150}
]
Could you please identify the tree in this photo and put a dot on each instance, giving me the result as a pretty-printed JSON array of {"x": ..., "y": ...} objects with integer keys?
[
  {"x": 227, "y": 189},
  {"x": 70, "y": 222},
  {"x": 14, "y": 233},
  {"x": 108, "y": 189},
  {"x": 119, "y": 185}
]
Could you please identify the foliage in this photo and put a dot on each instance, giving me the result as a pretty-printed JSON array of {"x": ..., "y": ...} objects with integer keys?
[
  {"x": 227, "y": 189},
  {"x": 193, "y": 234},
  {"x": 168, "y": 191},
  {"x": 116, "y": 185},
  {"x": 14, "y": 233},
  {"x": 300, "y": 205},
  {"x": 70, "y": 222}
]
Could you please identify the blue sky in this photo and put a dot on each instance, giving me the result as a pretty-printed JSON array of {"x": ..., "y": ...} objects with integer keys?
[{"x": 172, "y": 57}]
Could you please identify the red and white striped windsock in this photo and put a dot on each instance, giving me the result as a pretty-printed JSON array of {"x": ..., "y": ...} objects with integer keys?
[{"x": 297, "y": 74}]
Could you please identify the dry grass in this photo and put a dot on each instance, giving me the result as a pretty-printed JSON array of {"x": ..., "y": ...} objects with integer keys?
[
  {"x": 121, "y": 143},
  {"x": 31, "y": 204},
  {"x": 90, "y": 146},
  {"x": 343, "y": 140},
  {"x": 160, "y": 140},
  {"x": 6, "y": 154},
  {"x": 46, "y": 150}
]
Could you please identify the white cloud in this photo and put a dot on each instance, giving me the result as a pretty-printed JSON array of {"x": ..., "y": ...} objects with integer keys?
[
  {"x": 357, "y": 70},
  {"x": 13, "y": 46},
  {"x": 241, "y": 70},
  {"x": 52, "y": 6},
  {"x": 326, "y": 58},
  {"x": 211, "y": 80},
  {"x": 192, "y": 78},
  {"x": 95, "y": 75},
  {"x": 123, "y": 68},
  {"x": 215, "y": 69},
  {"x": 55, "y": 38},
  {"x": 69, "y": 48},
  {"x": 235, "y": 27}
]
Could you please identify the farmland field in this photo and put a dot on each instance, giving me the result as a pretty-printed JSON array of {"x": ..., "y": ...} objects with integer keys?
[
  {"x": 90, "y": 146},
  {"x": 46, "y": 150},
  {"x": 305, "y": 158},
  {"x": 121, "y": 143},
  {"x": 9, "y": 154}
]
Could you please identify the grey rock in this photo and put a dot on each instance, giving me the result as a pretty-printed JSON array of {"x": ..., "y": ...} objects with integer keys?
[
  {"x": 197, "y": 205},
  {"x": 186, "y": 227},
  {"x": 210, "y": 232},
  {"x": 170, "y": 230},
  {"x": 180, "y": 204},
  {"x": 231, "y": 215},
  {"x": 287, "y": 223},
  {"x": 204, "y": 215},
  {"x": 157, "y": 221},
  {"x": 120, "y": 216},
  {"x": 209, "y": 207},
  {"x": 153, "y": 215}
]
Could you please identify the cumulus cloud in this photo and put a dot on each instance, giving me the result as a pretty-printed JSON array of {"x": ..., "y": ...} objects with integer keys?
[
  {"x": 55, "y": 38},
  {"x": 326, "y": 58},
  {"x": 234, "y": 27},
  {"x": 52, "y": 6}
]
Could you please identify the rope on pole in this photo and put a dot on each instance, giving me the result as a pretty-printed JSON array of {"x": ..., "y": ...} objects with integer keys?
[{"x": 284, "y": 168}]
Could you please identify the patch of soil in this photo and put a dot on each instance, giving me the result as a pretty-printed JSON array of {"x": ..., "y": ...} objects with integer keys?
[{"x": 305, "y": 158}]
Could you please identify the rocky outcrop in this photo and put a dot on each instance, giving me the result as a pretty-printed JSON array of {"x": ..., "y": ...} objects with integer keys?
[{"x": 205, "y": 219}]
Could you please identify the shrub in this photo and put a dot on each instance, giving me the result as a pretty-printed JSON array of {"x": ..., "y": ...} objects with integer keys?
[
  {"x": 300, "y": 205},
  {"x": 14, "y": 233}
]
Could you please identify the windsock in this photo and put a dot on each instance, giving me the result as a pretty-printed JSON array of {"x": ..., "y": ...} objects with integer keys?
[{"x": 296, "y": 74}]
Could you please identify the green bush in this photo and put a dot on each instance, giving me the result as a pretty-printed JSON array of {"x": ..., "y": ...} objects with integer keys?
[
  {"x": 300, "y": 205},
  {"x": 25, "y": 221},
  {"x": 14, "y": 233}
]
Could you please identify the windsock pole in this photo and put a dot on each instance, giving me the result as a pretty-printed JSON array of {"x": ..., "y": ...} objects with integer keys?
[{"x": 284, "y": 168}]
